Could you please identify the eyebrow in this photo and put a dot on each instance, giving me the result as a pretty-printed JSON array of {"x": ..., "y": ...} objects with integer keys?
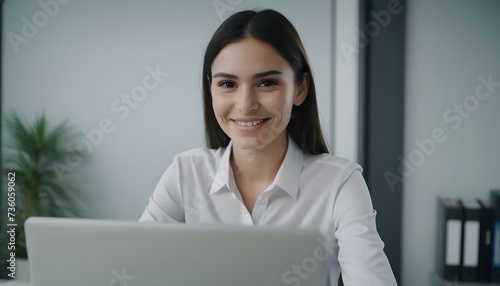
[{"x": 255, "y": 76}]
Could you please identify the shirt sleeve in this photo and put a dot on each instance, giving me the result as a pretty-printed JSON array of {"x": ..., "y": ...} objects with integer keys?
[
  {"x": 361, "y": 251},
  {"x": 165, "y": 204}
]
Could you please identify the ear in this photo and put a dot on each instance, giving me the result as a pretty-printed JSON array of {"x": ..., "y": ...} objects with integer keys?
[{"x": 302, "y": 89}]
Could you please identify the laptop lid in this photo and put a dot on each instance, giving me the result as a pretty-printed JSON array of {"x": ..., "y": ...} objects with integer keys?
[{"x": 83, "y": 252}]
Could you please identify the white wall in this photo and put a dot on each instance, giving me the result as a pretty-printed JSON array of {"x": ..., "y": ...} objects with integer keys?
[
  {"x": 346, "y": 79},
  {"x": 78, "y": 64},
  {"x": 449, "y": 45}
]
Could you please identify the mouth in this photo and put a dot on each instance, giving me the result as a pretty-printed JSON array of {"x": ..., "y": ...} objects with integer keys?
[{"x": 250, "y": 123}]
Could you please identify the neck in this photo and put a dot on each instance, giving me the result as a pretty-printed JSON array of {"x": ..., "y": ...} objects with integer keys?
[{"x": 259, "y": 165}]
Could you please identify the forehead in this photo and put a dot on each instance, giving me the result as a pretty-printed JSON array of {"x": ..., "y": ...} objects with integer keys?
[{"x": 250, "y": 56}]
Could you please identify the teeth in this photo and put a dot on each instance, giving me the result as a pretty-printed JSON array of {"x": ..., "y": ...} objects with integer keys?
[{"x": 248, "y": 123}]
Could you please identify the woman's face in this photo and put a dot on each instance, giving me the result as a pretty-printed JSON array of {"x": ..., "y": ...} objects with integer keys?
[{"x": 253, "y": 91}]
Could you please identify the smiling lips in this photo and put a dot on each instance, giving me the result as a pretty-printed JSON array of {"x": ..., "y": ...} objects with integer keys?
[{"x": 249, "y": 123}]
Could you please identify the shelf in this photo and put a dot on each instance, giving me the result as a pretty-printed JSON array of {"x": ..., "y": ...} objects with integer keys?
[{"x": 438, "y": 281}]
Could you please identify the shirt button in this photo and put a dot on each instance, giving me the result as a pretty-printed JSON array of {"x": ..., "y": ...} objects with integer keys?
[{"x": 246, "y": 215}]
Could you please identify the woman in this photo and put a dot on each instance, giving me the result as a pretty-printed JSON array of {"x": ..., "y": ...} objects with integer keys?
[{"x": 267, "y": 161}]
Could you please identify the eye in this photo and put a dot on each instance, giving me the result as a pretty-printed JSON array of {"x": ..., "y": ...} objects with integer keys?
[
  {"x": 226, "y": 84},
  {"x": 268, "y": 83}
]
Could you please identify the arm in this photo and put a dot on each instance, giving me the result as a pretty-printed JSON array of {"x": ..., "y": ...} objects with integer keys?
[
  {"x": 165, "y": 204},
  {"x": 361, "y": 255}
]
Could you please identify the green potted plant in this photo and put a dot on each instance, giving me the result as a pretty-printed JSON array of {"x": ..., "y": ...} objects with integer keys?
[{"x": 32, "y": 151}]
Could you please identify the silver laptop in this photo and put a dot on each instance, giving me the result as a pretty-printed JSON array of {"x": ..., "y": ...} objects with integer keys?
[{"x": 84, "y": 252}]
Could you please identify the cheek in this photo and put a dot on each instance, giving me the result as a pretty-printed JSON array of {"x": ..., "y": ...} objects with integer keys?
[
  {"x": 283, "y": 102},
  {"x": 280, "y": 108},
  {"x": 219, "y": 106}
]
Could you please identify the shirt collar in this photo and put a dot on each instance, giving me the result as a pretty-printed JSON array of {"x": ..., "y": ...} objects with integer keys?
[
  {"x": 289, "y": 173},
  {"x": 287, "y": 178},
  {"x": 224, "y": 171}
]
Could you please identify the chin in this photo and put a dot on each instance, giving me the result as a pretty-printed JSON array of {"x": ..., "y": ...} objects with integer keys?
[{"x": 261, "y": 140}]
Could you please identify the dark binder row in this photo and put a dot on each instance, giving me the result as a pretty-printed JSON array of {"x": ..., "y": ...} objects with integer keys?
[{"x": 469, "y": 239}]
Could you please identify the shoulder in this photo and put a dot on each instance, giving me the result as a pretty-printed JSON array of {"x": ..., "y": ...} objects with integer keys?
[
  {"x": 200, "y": 153},
  {"x": 199, "y": 156},
  {"x": 338, "y": 167},
  {"x": 328, "y": 160}
]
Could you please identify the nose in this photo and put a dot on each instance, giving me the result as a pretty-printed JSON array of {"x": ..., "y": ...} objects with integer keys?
[{"x": 247, "y": 100}]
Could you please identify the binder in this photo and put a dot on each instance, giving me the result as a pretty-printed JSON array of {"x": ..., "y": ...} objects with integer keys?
[
  {"x": 470, "y": 242},
  {"x": 485, "y": 241},
  {"x": 449, "y": 251},
  {"x": 495, "y": 270}
]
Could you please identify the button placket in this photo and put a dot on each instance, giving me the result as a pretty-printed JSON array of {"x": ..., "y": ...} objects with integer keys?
[{"x": 259, "y": 210}]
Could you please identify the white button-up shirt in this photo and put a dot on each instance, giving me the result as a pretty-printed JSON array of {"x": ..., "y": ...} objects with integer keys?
[{"x": 320, "y": 192}]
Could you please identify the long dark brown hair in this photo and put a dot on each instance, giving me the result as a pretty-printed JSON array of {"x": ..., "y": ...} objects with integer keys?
[{"x": 273, "y": 28}]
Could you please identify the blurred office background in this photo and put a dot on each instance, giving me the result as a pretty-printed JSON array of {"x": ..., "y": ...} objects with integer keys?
[{"x": 388, "y": 75}]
